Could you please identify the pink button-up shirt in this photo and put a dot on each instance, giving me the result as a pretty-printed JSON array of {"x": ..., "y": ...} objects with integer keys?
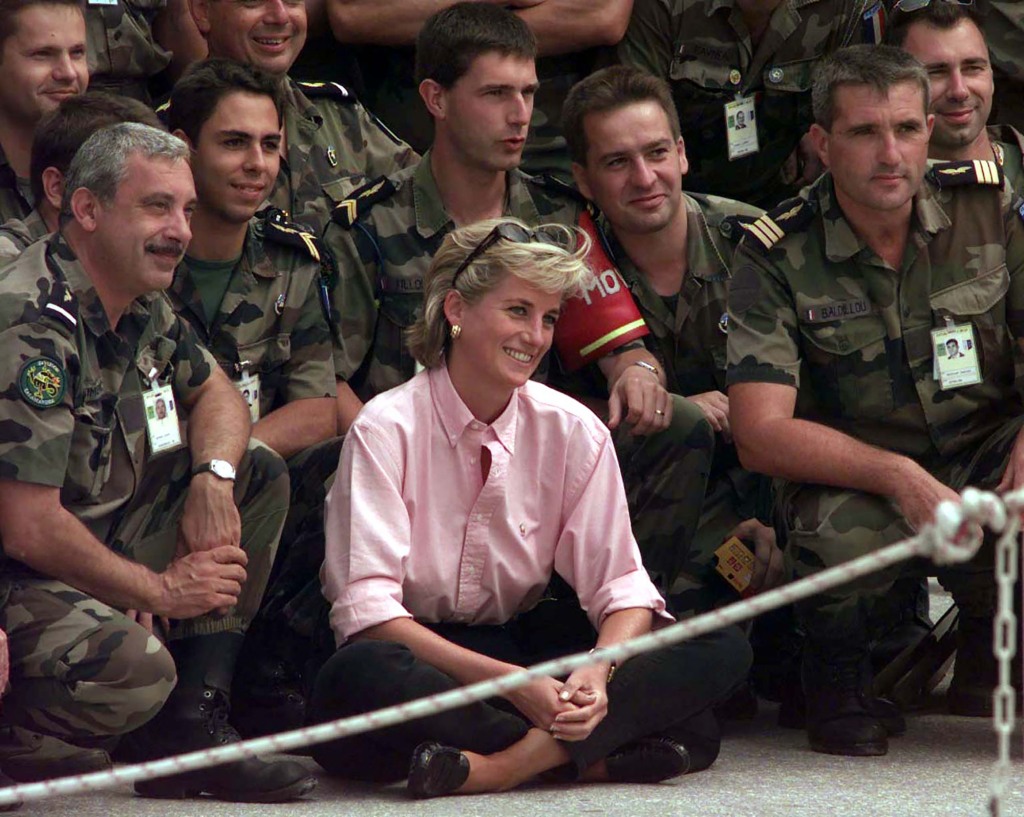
[{"x": 414, "y": 529}]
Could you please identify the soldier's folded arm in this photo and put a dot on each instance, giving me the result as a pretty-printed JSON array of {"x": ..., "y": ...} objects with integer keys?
[
  {"x": 218, "y": 430},
  {"x": 39, "y": 532},
  {"x": 297, "y": 425},
  {"x": 636, "y": 388},
  {"x": 561, "y": 26},
  {"x": 771, "y": 440}
]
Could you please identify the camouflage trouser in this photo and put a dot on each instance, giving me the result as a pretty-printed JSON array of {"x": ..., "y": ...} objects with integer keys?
[
  {"x": 666, "y": 475},
  {"x": 78, "y": 667},
  {"x": 828, "y": 526},
  {"x": 731, "y": 498},
  {"x": 293, "y": 592},
  {"x": 147, "y": 531}
]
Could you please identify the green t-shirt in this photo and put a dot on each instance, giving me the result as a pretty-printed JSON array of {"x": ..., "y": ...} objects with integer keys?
[{"x": 211, "y": 279}]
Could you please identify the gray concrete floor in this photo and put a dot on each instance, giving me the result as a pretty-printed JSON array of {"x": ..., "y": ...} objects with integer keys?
[{"x": 940, "y": 768}]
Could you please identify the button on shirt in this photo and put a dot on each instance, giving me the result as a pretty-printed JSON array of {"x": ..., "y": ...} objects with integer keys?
[{"x": 416, "y": 529}]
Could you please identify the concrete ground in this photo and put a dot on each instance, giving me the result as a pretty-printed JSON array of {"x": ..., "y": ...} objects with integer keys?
[{"x": 940, "y": 768}]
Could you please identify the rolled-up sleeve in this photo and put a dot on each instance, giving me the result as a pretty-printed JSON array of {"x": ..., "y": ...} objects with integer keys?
[
  {"x": 367, "y": 536},
  {"x": 596, "y": 552}
]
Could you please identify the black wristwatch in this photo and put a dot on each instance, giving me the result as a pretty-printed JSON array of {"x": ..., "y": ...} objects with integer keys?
[{"x": 219, "y": 468}]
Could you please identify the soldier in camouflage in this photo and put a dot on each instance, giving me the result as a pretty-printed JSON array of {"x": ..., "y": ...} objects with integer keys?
[
  {"x": 839, "y": 302},
  {"x": 108, "y": 524},
  {"x": 758, "y": 57},
  {"x": 574, "y": 38},
  {"x": 328, "y": 135},
  {"x": 123, "y": 55},
  {"x": 947, "y": 39},
  {"x": 43, "y": 59},
  {"x": 673, "y": 251},
  {"x": 254, "y": 287},
  {"x": 58, "y": 137}
]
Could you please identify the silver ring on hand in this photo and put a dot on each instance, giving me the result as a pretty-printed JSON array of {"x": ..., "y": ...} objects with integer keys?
[{"x": 659, "y": 412}]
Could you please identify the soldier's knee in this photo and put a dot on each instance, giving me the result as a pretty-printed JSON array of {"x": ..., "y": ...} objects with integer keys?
[
  {"x": 690, "y": 428},
  {"x": 121, "y": 680}
]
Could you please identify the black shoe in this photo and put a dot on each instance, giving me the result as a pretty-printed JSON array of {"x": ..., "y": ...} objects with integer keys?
[
  {"x": 195, "y": 717},
  {"x": 29, "y": 757},
  {"x": 436, "y": 770},
  {"x": 976, "y": 672},
  {"x": 840, "y": 719},
  {"x": 6, "y": 783},
  {"x": 268, "y": 700},
  {"x": 793, "y": 712},
  {"x": 648, "y": 760}
]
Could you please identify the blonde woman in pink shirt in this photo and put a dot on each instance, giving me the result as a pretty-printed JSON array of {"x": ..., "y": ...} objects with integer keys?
[{"x": 459, "y": 495}]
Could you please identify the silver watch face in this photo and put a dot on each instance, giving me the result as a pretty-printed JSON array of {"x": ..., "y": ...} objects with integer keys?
[{"x": 222, "y": 468}]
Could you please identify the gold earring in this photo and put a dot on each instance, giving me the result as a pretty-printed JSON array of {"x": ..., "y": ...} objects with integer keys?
[{"x": 456, "y": 330}]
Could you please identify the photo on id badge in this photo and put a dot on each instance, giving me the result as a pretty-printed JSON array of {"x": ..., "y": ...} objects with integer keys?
[
  {"x": 956, "y": 356},
  {"x": 161, "y": 419},
  {"x": 741, "y": 127}
]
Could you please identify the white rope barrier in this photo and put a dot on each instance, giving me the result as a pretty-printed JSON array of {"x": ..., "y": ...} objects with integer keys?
[{"x": 956, "y": 536}]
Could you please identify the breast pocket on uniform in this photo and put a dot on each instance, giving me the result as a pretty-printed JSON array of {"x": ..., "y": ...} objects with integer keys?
[
  {"x": 91, "y": 445},
  {"x": 981, "y": 303},
  {"x": 847, "y": 362}
]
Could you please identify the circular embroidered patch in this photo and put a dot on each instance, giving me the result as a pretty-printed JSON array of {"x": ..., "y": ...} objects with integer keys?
[{"x": 42, "y": 382}]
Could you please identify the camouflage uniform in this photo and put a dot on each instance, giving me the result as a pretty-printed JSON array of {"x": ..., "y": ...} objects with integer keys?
[
  {"x": 15, "y": 196},
  {"x": 703, "y": 49},
  {"x": 383, "y": 242},
  {"x": 73, "y": 407},
  {"x": 16, "y": 235},
  {"x": 122, "y": 53},
  {"x": 1008, "y": 143},
  {"x": 1003, "y": 28},
  {"x": 331, "y": 137},
  {"x": 688, "y": 333},
  {"x": 855, "y": 340},
  {"x": 272, "y": 323}
]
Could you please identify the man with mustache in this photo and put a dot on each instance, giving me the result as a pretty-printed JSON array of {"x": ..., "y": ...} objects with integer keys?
[
  {"x": 840, "y": 309},
  {"x": 43, "y": 61},
  {"x": 948, "y": 40},
  {"x": 112, "y": 528},
  {"x": 254, "y": 287}
]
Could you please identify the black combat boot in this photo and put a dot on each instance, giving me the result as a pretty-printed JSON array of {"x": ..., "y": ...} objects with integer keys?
[
  {"x": 976, "y": 673},
  {"x": 267, "y": 689},
  {"x": 196, "y": 717},
  {"x": 841, "y": 720}
]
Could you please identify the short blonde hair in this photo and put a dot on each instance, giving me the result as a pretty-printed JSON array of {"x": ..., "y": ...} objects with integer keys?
[{"x": 547, "y": 266}]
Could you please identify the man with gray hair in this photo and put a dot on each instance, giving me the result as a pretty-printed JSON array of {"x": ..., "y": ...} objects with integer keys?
[
  {"x": 115, "y": 526},
  {"x": 841, "y": 306}
]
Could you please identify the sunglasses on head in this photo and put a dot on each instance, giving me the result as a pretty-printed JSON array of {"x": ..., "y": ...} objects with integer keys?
[
  {"x": 510, "y": 232},
  {"x": 917, "y": 5}
]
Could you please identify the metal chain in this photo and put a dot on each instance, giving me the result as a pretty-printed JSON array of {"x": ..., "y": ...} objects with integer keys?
[{"x": 1004, "y": 640}]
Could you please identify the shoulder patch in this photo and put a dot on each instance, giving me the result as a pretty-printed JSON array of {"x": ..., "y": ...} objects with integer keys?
[
  {"x": 959, "y": 174},
  {"x": 276, "y": 227},
  {"x": 332, "y": 90},
  {"x": 42, "y": 382},
  {"x": 789, "y": 217},
  {"x": 349, "y": 211}
]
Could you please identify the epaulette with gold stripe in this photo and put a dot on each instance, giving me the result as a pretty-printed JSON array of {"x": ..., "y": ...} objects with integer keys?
[
  {"x": 347, "y": 212},
  {"x": 276, "y": 227},
  {"x": 974, "y": 171},
  {"x": 790, "y": 216},
  {"x": 333, "y": 90}
]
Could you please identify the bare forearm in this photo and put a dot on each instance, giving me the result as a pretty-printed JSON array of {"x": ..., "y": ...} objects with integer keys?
[
  {"x": 348, "y": 406},
  {"x": 623, "y": 625},
  {"x": 218, "y": 423},
  {"x": 566, "y": 26},
  {"x": 380, "y": 22},
  {"x": 59, "y": 546},
  {"x": 297, "y": 425},
  {"x": 465, "y": 666},
  {"x": 804, "y": 451}
]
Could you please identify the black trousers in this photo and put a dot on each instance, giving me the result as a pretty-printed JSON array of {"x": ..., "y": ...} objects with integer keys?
[{"x": 669, "y": 692}]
